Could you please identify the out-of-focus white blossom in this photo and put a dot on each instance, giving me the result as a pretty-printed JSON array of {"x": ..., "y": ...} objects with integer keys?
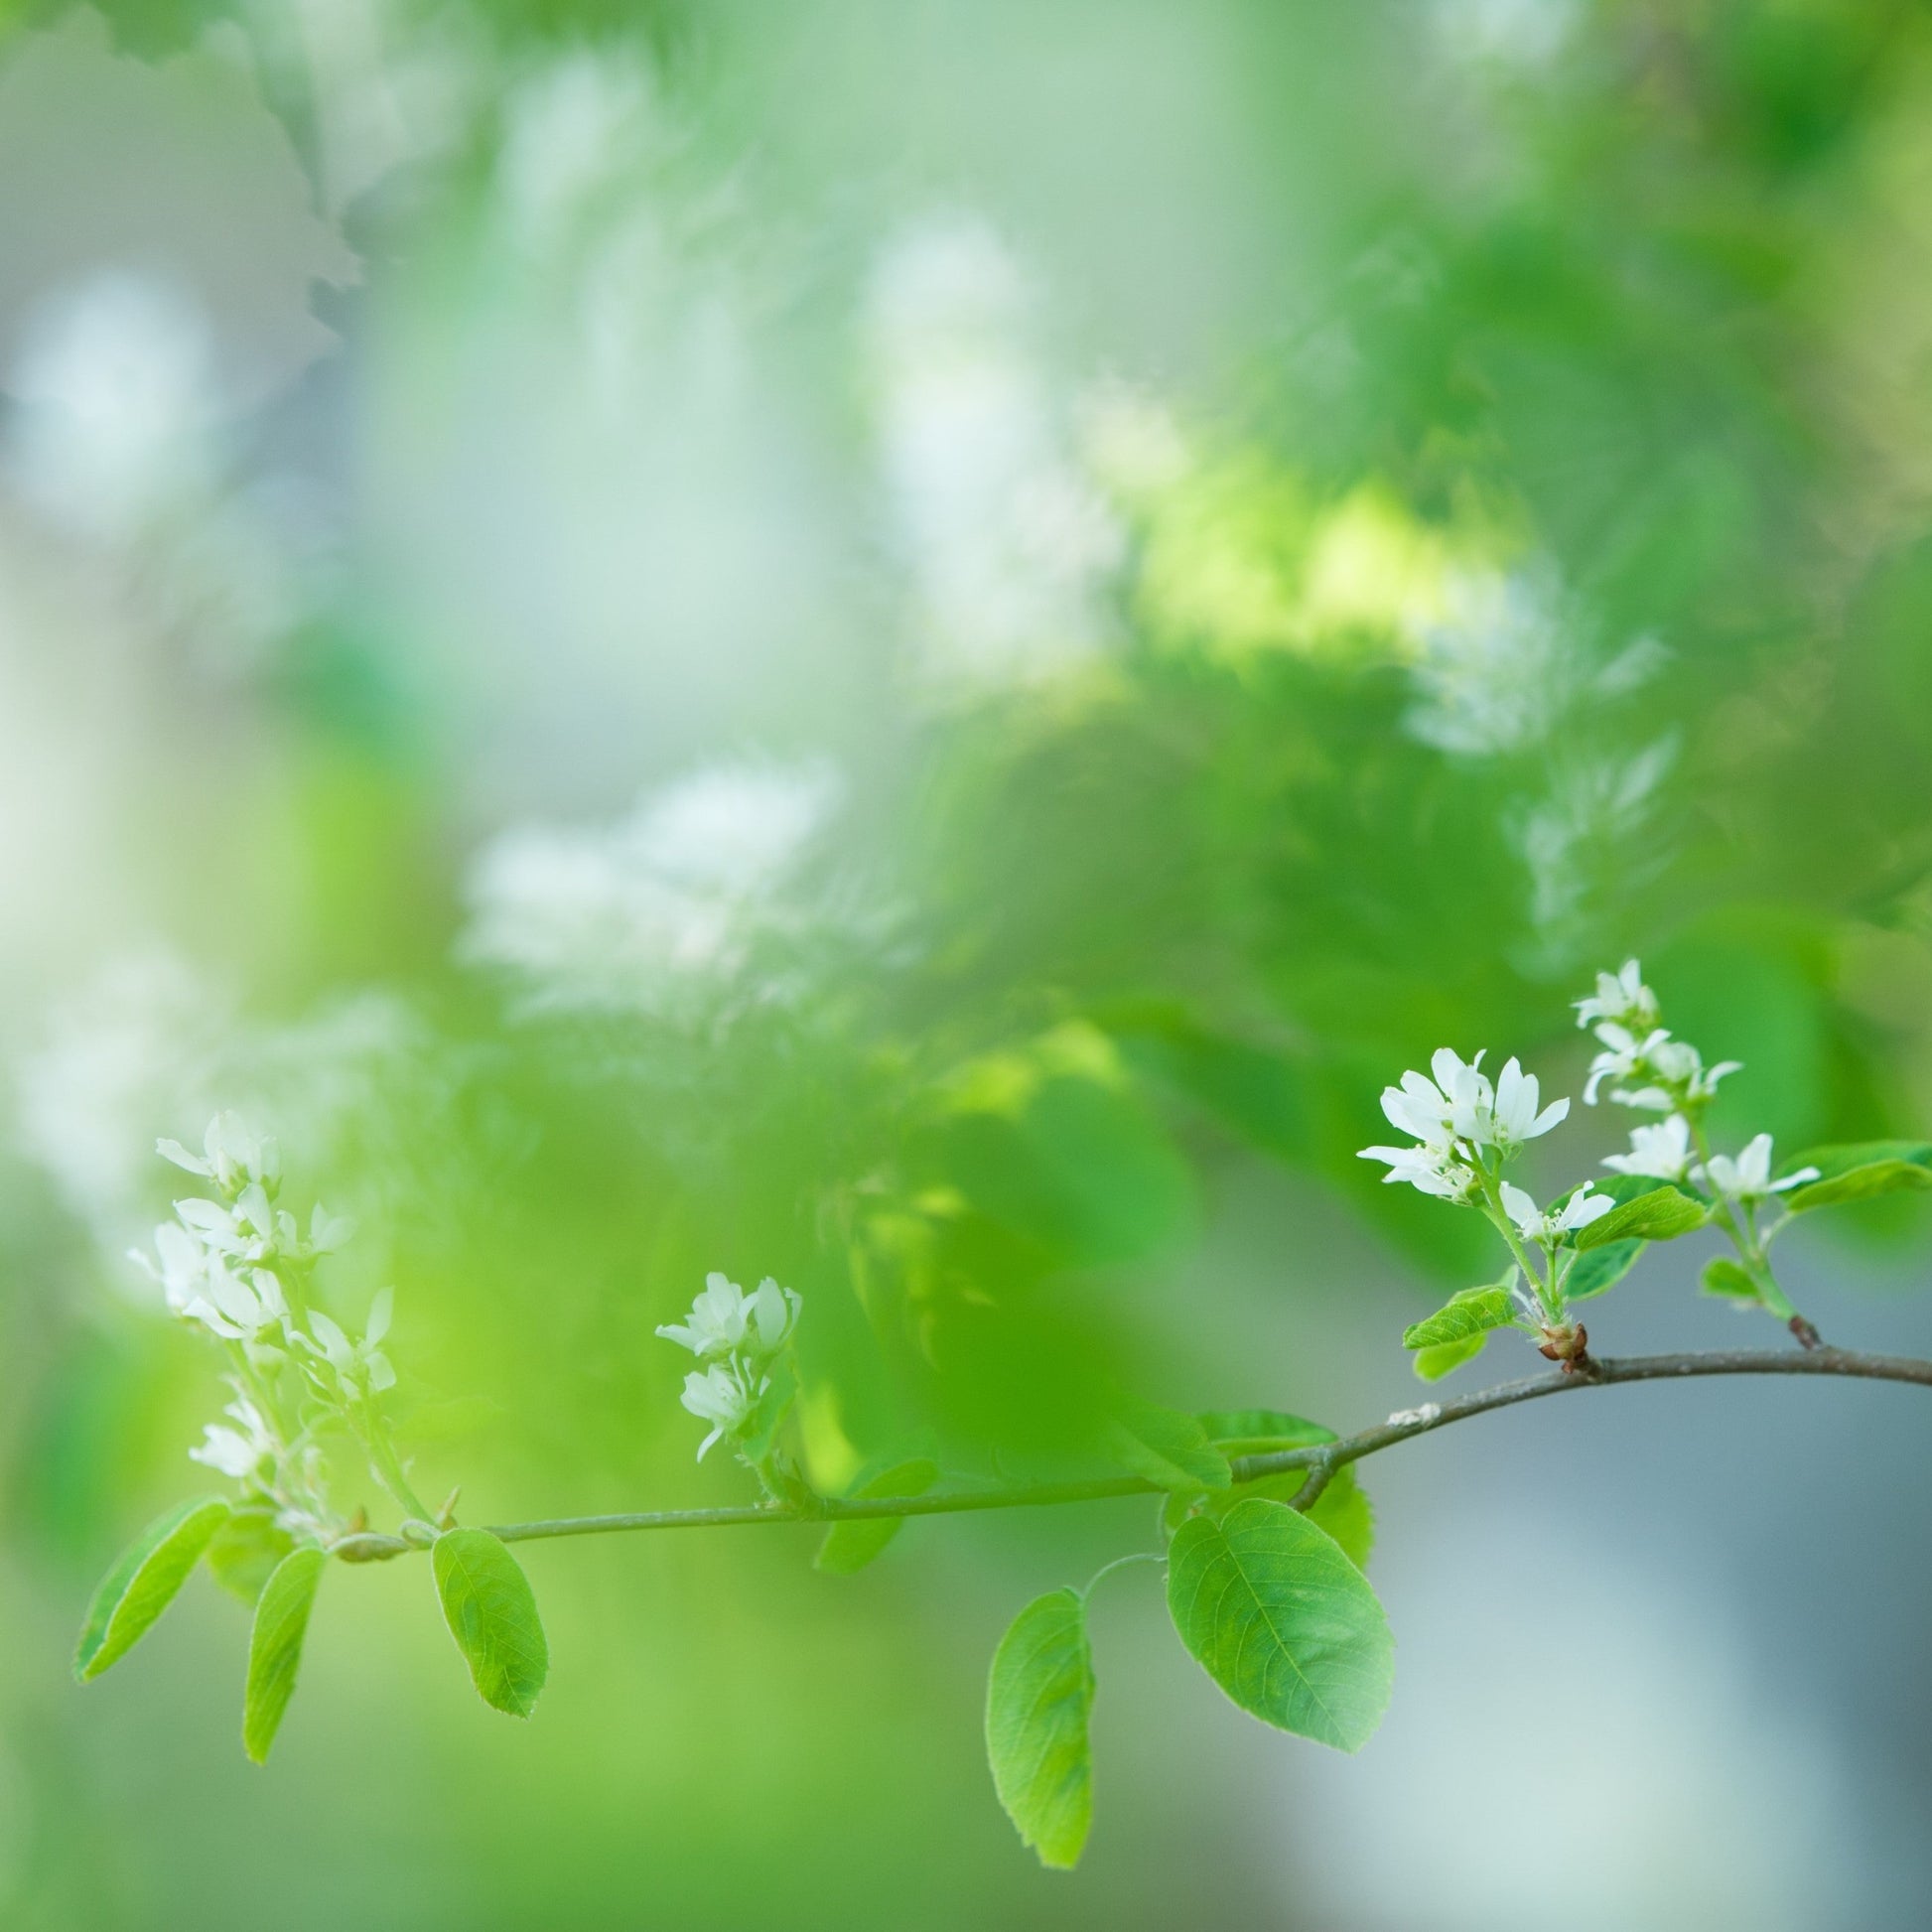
[
  {"x": 1662, "y": 1151},
  {"x": 1008, "y": 544},
  {"x": 1620, "y": 998},
  {"x": 724, "y": 1396},
  {"x": 716, "y": 1324},
  {"x": 240, "y": 1452},
  {"x": 232, "y": 1157},
  {"x": 670, "y": 902}
]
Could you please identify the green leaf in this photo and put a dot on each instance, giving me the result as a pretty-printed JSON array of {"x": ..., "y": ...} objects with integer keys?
[
  {"x": 1601, "y": 1268},
  {"x": 851, "y": 1546},
  {"x": 1661, "y": 1214},
  {"x": 1432, "y": 1364},
  {"x": 245, "y": 1550},
  {"x": 1842, "y": 1156},
  {"x": 275, "y": 1647},
  {"x": 1255, "y": 1432},
  {"x": 1039, "y": 1698},
  {"x": 1469, "y": 1313},
  {"x": 492, "y": 1615},
  {"x": 1283, "y": 1621},
  {"x": 144, "y": 1581},
  {"x": 1169, "y": 1449},
  {"x": 1861, "y": 1184},
  {"x": 1342, "y": 1508},
  {"x": 1723, "y": 1276}
]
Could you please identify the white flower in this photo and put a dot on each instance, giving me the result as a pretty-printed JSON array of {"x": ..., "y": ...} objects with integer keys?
[
  {"x": 232, "y": 1157},
  {"x": 773, "y": 1316},
  {"x": 1443, "y": 1109},
  {"x": 237, "y": 1306},
  {"x": 328, "y": 1232},
  {"x": 178, "y": 1264},
  {"x": 238, "y": 1453},
  {"x": 1624, "y": 1054},
  {"x": 723, "y": 1397},
  {"x": 1749, "y": 1177},
  {"x": 1620, "y": 997},
  {"x": 1662, "y": 1151},
  {"x": 1513, "y": 1118},
  {"x": 1576, "y": 1211},
  {"x": 358, "y": 1363},
  {"x": 1433, "y": 1169},
  {"x": 717, "y": 1320}
]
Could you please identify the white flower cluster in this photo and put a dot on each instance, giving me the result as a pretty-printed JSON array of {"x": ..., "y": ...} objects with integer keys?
[
  {"x": 1462, "y": 1124},
  {"x": 736, "y": 1337},
  {"x": 1665, "y": 1075},
  {"x": 1647, "y": 1067},
  {"x": 239, "y": 1267}
]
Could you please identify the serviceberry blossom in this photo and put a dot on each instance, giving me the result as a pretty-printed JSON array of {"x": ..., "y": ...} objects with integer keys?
[
  {"x": 232, "y": 1157},
  {"x": 1748, "y": 1176},
  {"x": 717, "y": 1321},
  {"x": 362, "y": 1365},
  {"x": 1575, "y": 1211},
  {"x": 240, "y": 1452},
  {"x": 724, "y": 1396},
  {"x": 1663, "y": 1152},
  {"x": 1664, "y": 1073},
  {"x": 1454, "y": 1117},
  {"x": 1622, "y": 999},
  {"x": 737, "y": 1336}
]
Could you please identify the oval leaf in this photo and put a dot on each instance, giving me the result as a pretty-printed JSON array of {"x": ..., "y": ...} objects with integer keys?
[
  {"x": 1255, "y": 1432},
  {"x": 1432, "y": 1364},
  {"x": 144, "y": 1581},
  {"x": 1342, "y": 1508},
  {"x": 1841, "y": 1156},
  {"x": 1659, "y": 1216},
  {"x": 1723, "y": 1276},
  {"x": 1039, "y": 1698},
  {"x": 1281, "y": 1620},
  {"x": 244, "y": 1553},
  {"x": 275, "y": 1647},
  {"x": 1169, "y": 1449},
  {"x": 1601, "y": 1268},
  {"x": 491, "y": 1612},
  {"x": 851, "y": 1546},
  {"x": 1471, "y": 1313},
  {"x": 1861, "y": 1184}
]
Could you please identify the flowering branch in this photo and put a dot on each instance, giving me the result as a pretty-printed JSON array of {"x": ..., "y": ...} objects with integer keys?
[{"x": 1402, "y": 1426}]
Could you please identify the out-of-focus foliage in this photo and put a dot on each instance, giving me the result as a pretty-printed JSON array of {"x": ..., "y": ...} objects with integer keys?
[{"x": 884, "y": 647}]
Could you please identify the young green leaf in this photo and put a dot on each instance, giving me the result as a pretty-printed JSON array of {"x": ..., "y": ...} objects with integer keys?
[
  {"x": 1601, "y": 1268},
  {"x": 1253, "y": 1432},
  {"x": 492, "y": 1615},
  {"x": 275, "y": 1647},
  {"x": 1469, "y": 1313},
  {"x": 244, "y": 1551},
  {"x": 144, "y": 1581},
  {"x": 1432, "y": 1364},
  {"x": 1169, "y": 1449},
  {"x": 1660, "y": 1214},
  {"x": 1342, "y": 1508},
  {"x": 1861, "y": 1184},
  {"x": 1723, "y": 1276},
  {"x": 851, "y": 1546},
  {"x": 1039, "y": 1698},
  {"x": 1283, "y": 1621},
  {"x": 1841, "y": 1156}
]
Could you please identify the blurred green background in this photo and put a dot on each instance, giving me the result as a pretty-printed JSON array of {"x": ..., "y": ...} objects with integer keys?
[{"x": 912, "y": 646}]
